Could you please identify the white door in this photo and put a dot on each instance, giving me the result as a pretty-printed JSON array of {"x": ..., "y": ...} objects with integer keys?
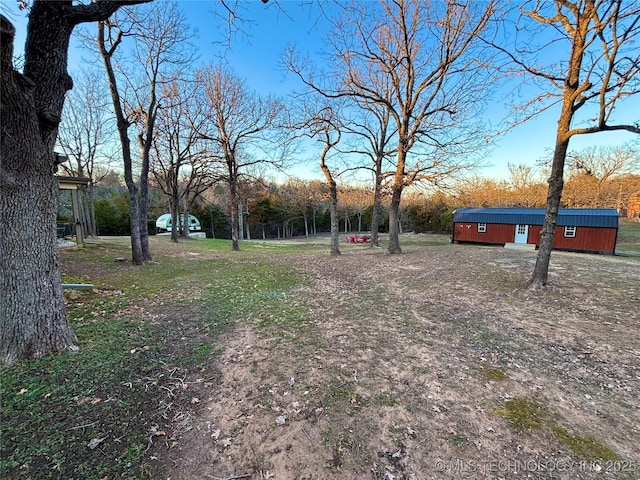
[{"x": 522, "y": 232}]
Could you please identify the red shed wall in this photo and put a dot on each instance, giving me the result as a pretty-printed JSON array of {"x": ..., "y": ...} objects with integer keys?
[
  {"x": 496, "y": 233},
  {"x": 591, "y": 239}
]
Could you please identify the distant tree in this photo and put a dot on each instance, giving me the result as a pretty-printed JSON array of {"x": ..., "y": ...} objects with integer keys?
[
  {"x": 591, "y": 174},
  {"x": 355, "y": 201},
  {"x": 300, "y": 196},
  {"x": 601, "y": 70},
  {"x": 33, "y": 322},
  {"x": 373, "y": 135},
  {"x": 321, "y": 122},
  {"x": 319, "y": 201},
  {"x": 482, "y": 192},
  {"x": 180, "y": 162},
  {"x": 526, "y": 188},
  {"x": 242, "y": 127}
]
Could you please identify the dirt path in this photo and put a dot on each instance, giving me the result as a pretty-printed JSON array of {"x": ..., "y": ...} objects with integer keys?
[{"x": 409, "y": 365}]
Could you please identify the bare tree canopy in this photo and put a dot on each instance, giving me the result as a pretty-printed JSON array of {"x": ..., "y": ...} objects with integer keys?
[{"x": 424, "y": 63}]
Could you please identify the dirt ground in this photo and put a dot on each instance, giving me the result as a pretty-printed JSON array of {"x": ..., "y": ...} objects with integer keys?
[{"x": 409, "y": 366}]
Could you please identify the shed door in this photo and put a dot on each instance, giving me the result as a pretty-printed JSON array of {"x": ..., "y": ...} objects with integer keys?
[{"x": 522, "y": 232}]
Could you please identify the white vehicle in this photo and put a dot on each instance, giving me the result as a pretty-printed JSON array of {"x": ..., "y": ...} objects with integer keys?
[{"x": 163, "y": 223}]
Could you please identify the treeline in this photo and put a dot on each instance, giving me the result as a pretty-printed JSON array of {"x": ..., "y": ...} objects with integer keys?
[{"x": 301, "y": 208}]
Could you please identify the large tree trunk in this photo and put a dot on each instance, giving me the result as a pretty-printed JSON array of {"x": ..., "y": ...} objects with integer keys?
[
  {"x": 145, "y": 146},
  {"x": 377, "y": 200},
  {"x": 143, "y": 205},
  {"x": 33, "y": 320},
  {"x": 554, "y": 195},
  {"x": 333, "y": 209},
  {"x": 394, "y": 207},
  {"x": 394, "y": 224},
  {"x": 174, "y": 210},
  {"x": 335, "y": 220}
]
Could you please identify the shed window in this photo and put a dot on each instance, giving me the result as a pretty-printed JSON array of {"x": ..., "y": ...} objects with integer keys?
[
  {"x": 570, "y": 232},
  {"x": 482, "y": 227}
]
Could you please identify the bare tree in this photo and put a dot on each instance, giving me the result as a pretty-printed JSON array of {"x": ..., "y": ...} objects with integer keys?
[
  {"x": 160, "y": 52},
  {"x": 300, "y": 196},
  {"x": 320, "y": 121},
  {"x": 33, "y": 321},
  {"x": 109, "y": 38},
  {"x": 591, "y": 173},
  {"x": 242, "y": 126},
  {"x": 373, "y": 137},
  {"x": 428, "y": 56},
  {"x": 601, "y": 70}
]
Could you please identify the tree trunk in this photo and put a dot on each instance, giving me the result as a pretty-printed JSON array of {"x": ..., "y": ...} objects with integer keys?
[
  {"x": 398, "y": 186},
  {"x": 335, "y": 221},
  {"x": 33, "y": 321},
  {"x": 184, "y": 226},
  {"x": 240, "y": 220},
  {"x": 134, "y": 218},
  {"x": 333, "y": 206},
  {"x": 394, "y": 226},
  {"x": 233, "y": 199},
  {"x": 93, "y": 231},
  {"x": 174, "y": 210},
  {"x": 143, "y": 223},
  {"x": 541, "y": 269},
  {"x": 375, "y": 218},
  {"x": 125, "y": 143}
]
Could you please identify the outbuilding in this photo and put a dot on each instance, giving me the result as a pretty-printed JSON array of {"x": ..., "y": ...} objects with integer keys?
[{"x": 592, "y": 230}]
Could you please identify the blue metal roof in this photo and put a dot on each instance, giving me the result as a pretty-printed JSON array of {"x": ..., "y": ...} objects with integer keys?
[{"x": 573, "y": 217}]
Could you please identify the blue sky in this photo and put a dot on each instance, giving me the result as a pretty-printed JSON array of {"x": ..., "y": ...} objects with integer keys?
[{"x": 254, "y": 55}]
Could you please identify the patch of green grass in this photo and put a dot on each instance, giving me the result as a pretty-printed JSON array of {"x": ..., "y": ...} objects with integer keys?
[
  {"x": 199, "y": 355},
  {"x": 588, "y": 447},
  {"x": 384, "y": 400},
  {"x": 628, "y": 241},
  {"x": 524, "y": 414},
  {"x": 53, "y": 407},
  {"x": 494, "y": 374}
]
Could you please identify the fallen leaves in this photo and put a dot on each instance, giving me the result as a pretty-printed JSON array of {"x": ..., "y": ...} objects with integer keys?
[
  {"x": 94, "y": 442},
  {"x": 140, "y": 349}
]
